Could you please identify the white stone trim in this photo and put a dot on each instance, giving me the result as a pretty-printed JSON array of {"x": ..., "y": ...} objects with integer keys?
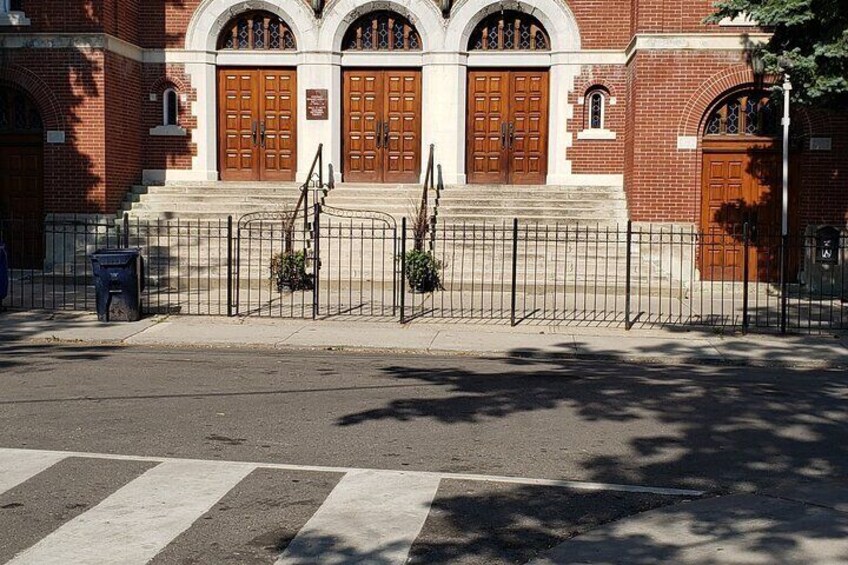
[
  {"x": 423, "y": 14},
  {"x": 168, "y": 131},
  {"x": 596, "y": 134},
  {"x": 570, "y": 179},
  {"x": 258, "y": 59},
  {"x": 382, "y": 59},
  {"x": 557, "y": 19},
  {"x": 695, "y": 42},
  {"x": 211, "y": 16},
  {"x": 507, "y": 59},
  {"x": 17, "y": 19}
]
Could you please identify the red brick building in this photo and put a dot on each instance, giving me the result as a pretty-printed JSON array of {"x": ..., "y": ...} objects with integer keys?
[{"x": 99, "y": 95}]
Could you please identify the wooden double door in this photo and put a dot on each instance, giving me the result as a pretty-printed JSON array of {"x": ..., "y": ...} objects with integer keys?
[
  {"x": 257, "y": 124},
  {"x": 507, "y": 139},
  {"x": 742, "y": 184},
  {"x": 382, "y": 125}
]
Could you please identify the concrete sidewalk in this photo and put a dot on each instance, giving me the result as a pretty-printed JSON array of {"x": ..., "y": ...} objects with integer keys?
[
  {"x": 638, "y": 345},
  {"x": 800, "y": 525}
]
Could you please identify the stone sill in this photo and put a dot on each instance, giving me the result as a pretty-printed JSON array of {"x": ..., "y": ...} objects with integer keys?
[
  {"x": 14, "y": 19},
  {"x": 597, "y": 134},
  {"x": 168, "y": 131}
]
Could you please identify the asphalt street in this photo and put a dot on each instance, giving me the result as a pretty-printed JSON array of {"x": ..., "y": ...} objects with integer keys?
[{"x": 316, "y": 414}]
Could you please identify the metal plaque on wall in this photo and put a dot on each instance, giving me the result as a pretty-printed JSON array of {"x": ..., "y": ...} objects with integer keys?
[{"x": 317, "y": 103}]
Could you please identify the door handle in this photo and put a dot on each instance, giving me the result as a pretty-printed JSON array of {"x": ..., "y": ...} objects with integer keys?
[
  {"x": 386, "y": 132},
  {"x": 503, "y": 134},
  {"x": 511, "y": 141},
  {"x": 262, "y": 135},
  {"x": 379, "y": 134},
  {"x": 254, "y": 130}
]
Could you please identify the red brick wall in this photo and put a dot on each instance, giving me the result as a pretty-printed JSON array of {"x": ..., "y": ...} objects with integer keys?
[
  {"x": 68, "y": 85},
  {"x": 167, "y": 152},
  {"x": 123, "y": 127},
  {"x": 589, "y": 156}
]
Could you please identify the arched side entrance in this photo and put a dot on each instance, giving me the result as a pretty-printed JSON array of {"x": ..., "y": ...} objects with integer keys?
[
  {"x": 22, "y": 175},
  {"x": 741, "y": 186},
  {"x": 507, "y": 131},
  {"x": 257, "y": 107},
  {"x": 381, "y": 114}
]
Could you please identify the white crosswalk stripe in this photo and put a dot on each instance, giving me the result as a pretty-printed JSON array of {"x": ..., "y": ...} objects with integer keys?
[
  {"x": 18, "y": 465},
  {"x": 371, "y": 516},
  {"x": 134, "y": 524}
]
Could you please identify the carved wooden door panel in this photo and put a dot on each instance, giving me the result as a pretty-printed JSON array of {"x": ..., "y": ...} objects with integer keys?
[
  {"x": 402, "y": 126},
  {"x": 257, "y": 124},
  {"x": 382, "y": 126},
  {"x": 507, "y": 127},
  {"x": 278, "y": 125},
  {"x": 238, "y": 127},
  {"x": 528, "y": 136}
]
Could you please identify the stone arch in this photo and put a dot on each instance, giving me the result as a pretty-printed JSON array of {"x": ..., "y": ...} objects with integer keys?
[
  {"x": 423, "y": 14},
  {"x": 558, "y": 20},
  {"x": 212, "y": 15},
  {"x": 24, "y": 79}
]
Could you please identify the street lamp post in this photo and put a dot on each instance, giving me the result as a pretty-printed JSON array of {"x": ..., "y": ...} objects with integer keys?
[{"x": 784, "y": 225}]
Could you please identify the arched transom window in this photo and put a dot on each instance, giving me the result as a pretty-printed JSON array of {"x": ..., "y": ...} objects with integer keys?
[
  {"x": 257, "y": 30},
  {"x": 382, "y": 31},
  {"x": 751, "y": 113},
  {"x": 509, "y": 31},
  {"x": 18, "y": 113}
]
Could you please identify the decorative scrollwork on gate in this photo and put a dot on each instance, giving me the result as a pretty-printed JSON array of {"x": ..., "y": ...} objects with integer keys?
[{"x": 372, "y": 215}]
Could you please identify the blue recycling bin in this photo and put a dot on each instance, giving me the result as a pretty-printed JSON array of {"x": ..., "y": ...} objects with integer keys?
[
  {"x": 4, "y": 273},
  {"x": 118, "y": 284}
]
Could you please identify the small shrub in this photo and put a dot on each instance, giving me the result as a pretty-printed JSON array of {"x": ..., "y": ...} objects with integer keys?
[
  {"x": 288, "y": 271},
  {"x": 423, "y": 271}
]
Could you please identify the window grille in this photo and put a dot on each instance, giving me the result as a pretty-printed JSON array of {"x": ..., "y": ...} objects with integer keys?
[
  {"x": 750, "y": 114},
  {"x": 257, "y": 30},
  {"x": 382, "y": 31},
  {"x": 509, "y": 31}
]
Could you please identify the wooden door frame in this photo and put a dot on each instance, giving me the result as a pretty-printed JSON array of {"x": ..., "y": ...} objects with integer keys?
[
  {"x": 382, "y": 98},
  {"x": 506, "y": 177}
]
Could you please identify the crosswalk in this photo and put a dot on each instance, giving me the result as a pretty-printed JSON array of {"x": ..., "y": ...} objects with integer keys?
[{"x": 166, "y": 509}]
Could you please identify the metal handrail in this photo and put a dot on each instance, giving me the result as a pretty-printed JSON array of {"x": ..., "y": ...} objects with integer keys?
[
  {"x": 429, "y": 183},
  {"x": 303, "y": 200}
]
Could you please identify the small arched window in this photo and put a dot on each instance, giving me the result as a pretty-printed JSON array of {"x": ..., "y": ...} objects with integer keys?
[
  {"x": 509, "y": 31},
  {"x": 596, "y": 109},
  {"x": 170, "y": 107}
]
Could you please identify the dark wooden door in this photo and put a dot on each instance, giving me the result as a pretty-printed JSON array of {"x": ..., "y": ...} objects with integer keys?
[
  {"x": 22, "y": 199},
  {"x": 507, "y": 141},
  {"x": 741, "y": 186},
  {"x": 257, "y": 124},
  {"x": 382, "y": 126}
]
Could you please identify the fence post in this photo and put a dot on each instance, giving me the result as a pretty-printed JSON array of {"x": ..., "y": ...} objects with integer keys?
[
  {"x": 402, "y": 285},
  {"x": 784, "y": 283},
  {"x": 627, "y": 276},
  {"x": 126, "y": 234},
  {"x": 514, "y": 289},
  {"x": 316, "y": 259},
  {"x": 746, "y": 245},
  {"x": 229, "y": 266}
]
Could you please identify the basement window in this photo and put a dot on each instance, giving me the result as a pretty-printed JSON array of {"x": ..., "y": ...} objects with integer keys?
[{"x": 170, "y": 116}]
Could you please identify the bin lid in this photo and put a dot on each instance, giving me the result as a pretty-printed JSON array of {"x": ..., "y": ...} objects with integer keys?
[{"x": 115, "y": 256}]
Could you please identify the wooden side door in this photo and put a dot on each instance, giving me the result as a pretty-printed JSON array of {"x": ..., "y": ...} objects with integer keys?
[
  {"x": 528, "y": 122},
  {"x": 238, "y": 104},
  {"x": 401, "y": 145},
  {"x": 278, "y": 125},
  {"x": 723, "y": 212},
  {"x": 363, "y": 115},
  {"x": 488, "y": 116},
  {"x": 22, "y": 199}
]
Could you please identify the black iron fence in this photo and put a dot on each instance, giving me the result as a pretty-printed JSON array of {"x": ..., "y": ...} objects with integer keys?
[{"x": 360, "y": 264}]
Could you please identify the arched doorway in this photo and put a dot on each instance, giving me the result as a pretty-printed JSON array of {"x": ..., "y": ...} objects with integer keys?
[
  {"x": 507, "y": 139},
  {"x": 741, "y": 186},
  {"x": 257, "y": 106},
  {"x": 21, "y": 177},
  {"x": 381, "y": 130}
]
